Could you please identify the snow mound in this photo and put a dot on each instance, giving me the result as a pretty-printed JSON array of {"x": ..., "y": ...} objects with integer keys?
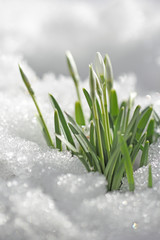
[{"x": 46, "y": 194}]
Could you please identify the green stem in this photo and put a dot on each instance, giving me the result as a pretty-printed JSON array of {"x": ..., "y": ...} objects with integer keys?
[
  {"x": 31, "y": 92},
  {"x": 105, "y": 128},
  {"x": 43, "y": 122},
  {"x": 78, "y": 92},
  {"x": 98, "y": 135},
  {"x": 107, "y": 117}
]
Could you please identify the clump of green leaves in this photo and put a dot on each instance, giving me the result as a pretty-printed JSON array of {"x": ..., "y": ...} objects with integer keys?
[{"x": 117, "y": 132}]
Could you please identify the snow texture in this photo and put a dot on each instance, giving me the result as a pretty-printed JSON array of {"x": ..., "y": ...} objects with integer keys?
[{"x": 48, "y": 195}]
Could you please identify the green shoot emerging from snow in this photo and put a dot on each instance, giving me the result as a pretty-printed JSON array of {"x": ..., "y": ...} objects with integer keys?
[{"x": 117, "y": 132}]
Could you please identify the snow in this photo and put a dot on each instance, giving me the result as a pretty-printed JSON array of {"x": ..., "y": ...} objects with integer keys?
[{"x": 46, "y": 194}]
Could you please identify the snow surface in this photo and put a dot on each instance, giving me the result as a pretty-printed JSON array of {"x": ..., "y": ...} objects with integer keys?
[{"x": 46, "y": 194}]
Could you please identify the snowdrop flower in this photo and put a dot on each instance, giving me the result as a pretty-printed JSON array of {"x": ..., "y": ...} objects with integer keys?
[
  {"x": 92, "y": 81},
  {"x": 109, "y": 72},
  {"x": 72, "y": 67},
  {"x": 100, "y": 68}
]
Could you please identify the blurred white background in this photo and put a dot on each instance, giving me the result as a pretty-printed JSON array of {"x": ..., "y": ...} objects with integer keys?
[{"x": 42, "y": 30}]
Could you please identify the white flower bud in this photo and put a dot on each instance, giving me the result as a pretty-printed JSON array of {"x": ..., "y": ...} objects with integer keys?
[{"x": 100, "y": 68}]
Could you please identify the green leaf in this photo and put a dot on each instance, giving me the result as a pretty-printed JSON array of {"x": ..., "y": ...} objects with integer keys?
[
  {"x": 119, "y": 172},
  {"x": 123, "y": 104},
  {"x": 63, "y": 121},
  {"x": 92, "y": 133},
  {"x": 143, "y": 122},
  {"x": 150, "y": 130},
  {"x": 79, "y": 116},
  {"x": 88, "y": 153},
  {"x": 114, "y": 109},
  {"x": 89, "y": 101},
  {"x": 67, "y": 143},
  {"x": 137, "y": 147},
  {"x": 105, "y": 153},
  {"x": 99, "y": 90},
  {"x": 87, "y": 147},
  {"x": 74, "y": 151},
  {"x": 112, "y": 160},
  {"x": 144, "y": 157},
  {"x": 99, "y": 110},
  {"x": 57, "y": 130},
  {"x": 117, "y": 127},
  {"x": 45, "y": 133},
  {"x": 112, "y": 173},
  {"x": 156, "y": 117},
  {"x": 88, "y": 98},
  {"x": 83, "y": 160},
  {"x": 124, "y": 120},
  {"x": 117, "y": 178},
  {"x": 119, "y": 120},
  {"x": 132, "y": 121},
  {"x": 149, "y": 177},
  {"x": 98, "y": 135},
  {"x": 77, "y": 130},
  {"x": 127, "y": 162}
]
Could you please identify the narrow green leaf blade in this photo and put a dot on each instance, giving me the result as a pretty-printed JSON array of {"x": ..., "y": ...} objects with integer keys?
[
  {"x": 99, "y": 110},
  {"x": 89, "y": 101},
  {"x": 45, "y": 133},
  {"x": 150, "y": 130},
  {"x": 57, "y": 130},
  {"x": 133, "y": 120},
  {"x": 114, "y": 109},
  {"x": 144, "y": 157},
  {"x": 88, "y": 98},
  {"x": 86, "y": 148},
  {"x": 119, "y": 120},
  {"x": 74, "y": 151},
  {"x": 63, "y": 121},
  {"x": 119, "y": 172},
  {"x": 67, "y": 143},
  {"x": 77, "y": 130},
  {"x": 79, "y": 116},
  {"x": 149, "y": 177},
  {"x": 92, "y": 133},
  {"x": 137, "y": 147},
  {"x": 143, "y": 122},
  {"x": 127, "y": 162},
  {"x": 117, "y": 126},
  {"x": 83, "y": 141}
]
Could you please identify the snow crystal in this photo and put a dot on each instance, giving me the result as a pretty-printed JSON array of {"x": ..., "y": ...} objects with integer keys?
[{"x": 47, "y": 194}]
